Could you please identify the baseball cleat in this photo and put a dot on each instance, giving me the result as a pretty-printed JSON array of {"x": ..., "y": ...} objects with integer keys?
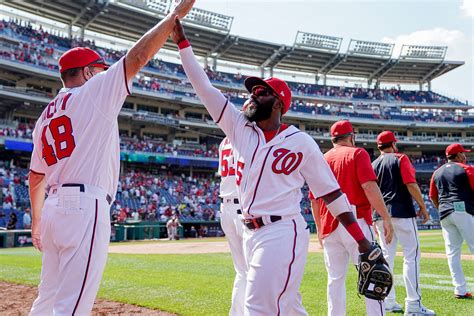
[
  {"x": 467, "y": 295},
  {"x": 418, "y": 309},
  {"x": 393, "y": 307}
]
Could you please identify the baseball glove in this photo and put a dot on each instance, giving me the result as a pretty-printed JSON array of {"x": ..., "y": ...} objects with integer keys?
[{"x": 375, "y": 278}]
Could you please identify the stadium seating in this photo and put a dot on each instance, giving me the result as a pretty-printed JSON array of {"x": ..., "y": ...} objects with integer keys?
[
  {"x": 193, "y": 198},
  {"x": 38, "y": 47},
  {"x": 196, "y": 198}
]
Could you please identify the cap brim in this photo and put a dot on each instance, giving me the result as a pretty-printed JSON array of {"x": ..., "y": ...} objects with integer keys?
[
  {"x": 342, "y": 135},
  {"x": 251, "y": 82},
  {"x": 467, "y": 150},
  {"x": 100, "y": 66}
]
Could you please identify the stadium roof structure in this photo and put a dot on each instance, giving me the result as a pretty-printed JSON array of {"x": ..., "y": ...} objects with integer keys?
[{"x": 210, "y": 36}]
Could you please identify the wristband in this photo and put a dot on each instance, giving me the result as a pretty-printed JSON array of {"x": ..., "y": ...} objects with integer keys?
[
  {"x": 183, "y": 44},
  {"x": 354, "y": 230}
]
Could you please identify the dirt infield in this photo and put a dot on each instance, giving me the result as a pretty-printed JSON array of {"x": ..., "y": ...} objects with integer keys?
[
  {"x": 163, "y": 247},
  {"x": 18, "y": 300}
]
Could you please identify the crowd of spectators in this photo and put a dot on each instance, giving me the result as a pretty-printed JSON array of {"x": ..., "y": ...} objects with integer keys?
[
  {"x": 150, "y": 196},
  {"x": 422, "y": 159},
  {"x": 10, "y": 215},
  {"x": 34, "y": 55},
  {"x": 377, "y": 112},
  {"x": 39, "y": 46},
  {"x": 158, "y": 145},
  {"x": 142, "y": 144},
  {"x": 148, "y": 144},
  {"x": 21, "y": 131},
  {"x": 144, "y": 196},
  {"x": 156, "y": 197},
  {"x": 390, "y": 95}
]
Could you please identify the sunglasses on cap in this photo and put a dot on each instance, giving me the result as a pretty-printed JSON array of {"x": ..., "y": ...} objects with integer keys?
[
  {"x": 99, "y": 63},
  {"x": 261, "y": 91}
]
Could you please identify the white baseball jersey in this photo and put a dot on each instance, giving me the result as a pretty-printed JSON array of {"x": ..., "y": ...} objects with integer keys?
[
  {"x": 232, "y": 225},
  {"x": 76, "y": 139},
  {"x": 227, "y": 168},
  {"x": 269, "y": 175}
]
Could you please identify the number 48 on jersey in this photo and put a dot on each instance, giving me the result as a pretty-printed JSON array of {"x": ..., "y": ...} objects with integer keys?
[{"x": 63, "y": 140}]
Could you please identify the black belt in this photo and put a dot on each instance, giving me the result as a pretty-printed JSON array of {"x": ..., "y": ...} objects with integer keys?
[
  {"x": 256, "y": 223},
  {"x": 236, "y": 200},
  {"x": 82, "y": 188}
]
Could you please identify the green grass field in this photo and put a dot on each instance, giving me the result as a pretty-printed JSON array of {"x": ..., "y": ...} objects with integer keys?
[
  {"x": 201, "y": 284},
  {"x": 432, "y": 241}
]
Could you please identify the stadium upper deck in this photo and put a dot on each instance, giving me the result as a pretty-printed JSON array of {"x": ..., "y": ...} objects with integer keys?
[
  {"x": 420, "y": 118},
  {"x": 210, "y": 34}
]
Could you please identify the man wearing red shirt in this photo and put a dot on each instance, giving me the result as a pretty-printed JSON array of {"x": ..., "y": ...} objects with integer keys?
[
  {"x": 396, "y": 179},
  {"x": 452, "y": 193},
  {"x": 353, "y": 171}
]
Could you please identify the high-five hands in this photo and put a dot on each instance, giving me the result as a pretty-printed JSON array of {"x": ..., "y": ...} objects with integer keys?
[
  {"x": 183, "y": 8},
  {"x": 177, "y": 35}
]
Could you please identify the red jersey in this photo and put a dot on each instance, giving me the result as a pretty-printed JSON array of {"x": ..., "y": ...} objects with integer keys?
[{"x": 352, "y": 168}]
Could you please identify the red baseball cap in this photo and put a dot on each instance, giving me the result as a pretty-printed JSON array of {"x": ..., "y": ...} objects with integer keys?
[
  {"x": 79, "y": 57},
  {"x": 456, "y": 149},
  {"x": 278, "y": 86},
  {"x": 386, "y": 137},
  {"x": 342, "y": 127}
]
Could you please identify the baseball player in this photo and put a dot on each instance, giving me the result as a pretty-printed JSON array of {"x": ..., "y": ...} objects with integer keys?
[
  {"x": 231, "y": 223},
  {"x": 76, "y": 161},
  {"x": 396, "y": 176},
  {"x": 273, "y": 162},
  {"x": 172, "y": 227},
  {"x": 354, "y": 173},
  {"x": 452, "y": 193}
]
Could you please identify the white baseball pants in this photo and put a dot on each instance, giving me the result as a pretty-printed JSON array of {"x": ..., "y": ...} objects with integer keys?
[
  {"x": 276, "y": 256},
  {"x": 405, "y": 232},
  {"x": 174, "y": 232},
  {"x": 75, "y": 234},
  {"x": 458, "y": 227},
  {"x": 339, "y": 248},
  {"x": 234, "y": 230}
]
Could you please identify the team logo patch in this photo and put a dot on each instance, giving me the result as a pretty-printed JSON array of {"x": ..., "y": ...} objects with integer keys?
[
  {"x": 365, "y": 266},
  {"x": 375, "y": 254},
  {"x": 286, "y": 161}
]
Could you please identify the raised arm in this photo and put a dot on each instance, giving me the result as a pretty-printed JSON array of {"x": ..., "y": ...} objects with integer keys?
[
  {"x": 149, "y": 44},
  {"x": 221, "y": 110}
]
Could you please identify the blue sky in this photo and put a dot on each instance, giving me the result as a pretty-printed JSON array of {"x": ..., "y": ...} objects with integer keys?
[{"x": 443, "y": 22}]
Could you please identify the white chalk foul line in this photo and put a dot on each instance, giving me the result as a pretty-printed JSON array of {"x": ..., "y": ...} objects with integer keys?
[{"x": 442, "y": 282}]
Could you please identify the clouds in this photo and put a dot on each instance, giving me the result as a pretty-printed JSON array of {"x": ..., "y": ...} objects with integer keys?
[
  {"x": 459, "y": 45},
  {"x": 457, "y": 83},
  {"x": 467, "y": 7}
]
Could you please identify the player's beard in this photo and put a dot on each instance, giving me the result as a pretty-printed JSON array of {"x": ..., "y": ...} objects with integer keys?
[{"x": 259, "y": 112}]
